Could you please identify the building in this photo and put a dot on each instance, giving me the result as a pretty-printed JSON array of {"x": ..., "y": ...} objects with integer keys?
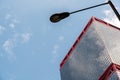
[{"x": 95, "y": 55}]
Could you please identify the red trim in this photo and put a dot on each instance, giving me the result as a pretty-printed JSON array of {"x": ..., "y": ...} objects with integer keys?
[
  {"x": 109, "y": 71},
  {"x": 110, "y": 25},
  {"x": 117, "y": 67},
  {"x": 79, "y": 38}
]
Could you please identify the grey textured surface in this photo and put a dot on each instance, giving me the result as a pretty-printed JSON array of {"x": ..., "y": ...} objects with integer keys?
[{"x": 97, "y": 49}]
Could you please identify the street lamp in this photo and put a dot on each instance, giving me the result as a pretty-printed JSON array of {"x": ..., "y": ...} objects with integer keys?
[{"x": 59, "y": 16}]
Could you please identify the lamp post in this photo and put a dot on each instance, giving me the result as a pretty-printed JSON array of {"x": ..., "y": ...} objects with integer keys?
[{"x": 59, "y": 16}]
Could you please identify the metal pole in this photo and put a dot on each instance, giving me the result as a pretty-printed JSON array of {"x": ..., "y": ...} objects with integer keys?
[
  {"x": 114, "y": 9},
  {"x": 89, "y": 8},
  {"x": 59, "y": 16}
]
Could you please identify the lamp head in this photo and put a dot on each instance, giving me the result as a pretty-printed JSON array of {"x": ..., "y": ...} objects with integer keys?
[{"x": 59, "y": 16}]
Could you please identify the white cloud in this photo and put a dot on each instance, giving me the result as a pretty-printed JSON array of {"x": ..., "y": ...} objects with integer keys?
[
  {"x": 11, "y": 20},
  {"x": 12, "y": 25},
  {"x": 8, "y": 46},
  {"x": 106, "y": 0},
  {"x": 55, "y": 52},
  {"x": 61, "y": 38},
  {"x": 16, "y": 38},
  {"x": 26, "y": 37},
  {"x": 111, "y": 18},
  {"x": 107, "y": 12},
  {"x": 56, "y": 47},
  {"x": 11, "y": 43}
]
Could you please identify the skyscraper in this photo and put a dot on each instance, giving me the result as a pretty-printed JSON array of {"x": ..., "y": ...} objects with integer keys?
[{"x": 95, "y": 55}]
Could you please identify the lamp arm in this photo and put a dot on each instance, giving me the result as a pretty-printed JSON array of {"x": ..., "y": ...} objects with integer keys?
[{"x": 89, "y": 8}]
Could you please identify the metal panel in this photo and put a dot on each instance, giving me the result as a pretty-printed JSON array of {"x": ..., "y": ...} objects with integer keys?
[
  {"x": 111, "y": 39},
  {"x": 95, "y": 51}
]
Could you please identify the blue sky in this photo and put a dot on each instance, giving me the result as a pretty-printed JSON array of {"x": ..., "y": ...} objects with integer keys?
[{"x": 31, "y": 47}]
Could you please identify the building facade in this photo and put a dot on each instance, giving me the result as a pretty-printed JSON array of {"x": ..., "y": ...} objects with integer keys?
[{"x": 95, "y": 55}]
